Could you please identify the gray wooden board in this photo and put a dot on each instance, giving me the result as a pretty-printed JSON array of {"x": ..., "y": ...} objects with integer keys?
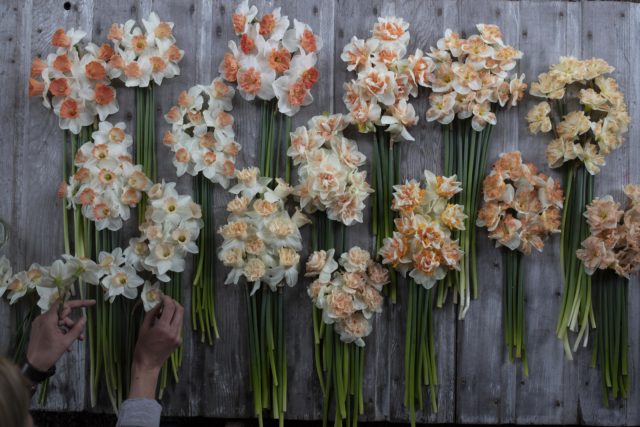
[{"x": 477, "y": 382}]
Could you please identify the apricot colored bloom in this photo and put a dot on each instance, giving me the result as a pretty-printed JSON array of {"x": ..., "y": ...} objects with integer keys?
[
  {"x": 261, "y": 240},
  {"x": 272, "y": 60},
  {"x": 521, "y": 206},
  {"x": 468, "y": 76},
  {"x": 107, "y": 184},
  {"x": 75, "y": 81},
  {"x": 348, "y": 292},
  {"x": 538, "y": 118},
  {"x": 421, "y": 245},
  {"x": 328, "y": 175},
  {"x": 202, "y": 136},
  {"x": 145, "y": 56}
]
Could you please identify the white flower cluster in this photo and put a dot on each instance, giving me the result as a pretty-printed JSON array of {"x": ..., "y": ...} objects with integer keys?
[
  {"x": 55, "y": 282},
  {"x": 261, "y": 239},
  {"x": 349, "y": 298},
  {"x": 328, "y": 169},
  {"x": 75, "y": 80},
  {"x": 272, "y": 60},
  {"x": 379, "y": 95},
  {"x": 468, "y": 76},
  {"x": 171, "y": 227},
  {"x": 202, "y": 135},
  {"x": 106, "y": 184},
  {"x": 141, "y": 57}
]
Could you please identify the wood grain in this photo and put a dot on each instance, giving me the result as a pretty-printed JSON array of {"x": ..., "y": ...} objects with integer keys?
[{"x": 478, "y": 384}]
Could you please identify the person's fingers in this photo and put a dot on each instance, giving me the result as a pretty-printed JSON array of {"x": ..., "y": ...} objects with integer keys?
[
  {"x": 75, "y": 332},
  {"x": 149, "y": 317},
  {"x": 52, "y": 312},
  {"x": 78, "y": 303},
  {"x": 168, "y": 310},
  {"x": 178, "y": 317},
  {"x": 66, "y": 311},
  {"x": 68, "y": 322}
]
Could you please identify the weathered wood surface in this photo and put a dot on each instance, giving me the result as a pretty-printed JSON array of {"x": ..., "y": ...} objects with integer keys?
[{"x": 477, "y": 382}]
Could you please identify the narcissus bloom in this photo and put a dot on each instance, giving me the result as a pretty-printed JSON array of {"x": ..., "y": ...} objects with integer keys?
[{"x": 350, "y": 296}]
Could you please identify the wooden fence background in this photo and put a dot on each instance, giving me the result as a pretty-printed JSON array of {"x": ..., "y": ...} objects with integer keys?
[{"x": 478, "y": 383}]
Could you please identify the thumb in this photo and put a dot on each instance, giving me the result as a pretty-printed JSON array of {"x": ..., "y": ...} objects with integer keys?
[{"x": 75, "y": 332}]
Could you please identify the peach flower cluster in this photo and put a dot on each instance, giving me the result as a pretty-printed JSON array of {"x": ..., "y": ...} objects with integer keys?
[
  {"x": 614, "y": 240},
  {"x": 595, "y": 128},
  {"x": 522, "y": 207},
  {"x": 201, "y": 136},
  {"x": 328, "y": 169},
  {"x": 349, "y": 296},
  {"x": 55, "y": 282},
  {"x": 471, "y": 77},
  {"x": 421, "y": 243},
  {"x": 106, "y": 184},
  {"x": 144, "y": 56},
  {"x": 379, "y": 96},
  {"x": 271, "y": 59},
  {"x": 75, "y": 81},
  {"x": 171, "y": 226},
  {"x": 261, "y": 240}
]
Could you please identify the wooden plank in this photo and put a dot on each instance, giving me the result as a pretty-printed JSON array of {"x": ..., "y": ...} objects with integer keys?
[
  {"x": 633, "y": 99},
  {"x": 611, "y": 44},
  {"x": 14, "y": 68},
  {"x": 540, "y": 398},
  {"x": 39, "y": 226},
  {"x": 487, "y": 395}
]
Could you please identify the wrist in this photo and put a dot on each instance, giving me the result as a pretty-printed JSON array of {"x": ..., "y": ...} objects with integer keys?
[
  {"x": 144, "y": 379},
  {"x": 39, "y": 363}
]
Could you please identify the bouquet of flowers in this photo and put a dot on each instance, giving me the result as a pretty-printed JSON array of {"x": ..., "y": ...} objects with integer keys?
[
  {"x": 203, "y": 142},
  {"x": 378, "y": 102},
  {"x": 143, "y": 59},
  {"x": 423, "y": 246},
  {"x": 469, "y": 80},
  {"x": 348, "y": 299},
  {"x": 613, "y": 246},
  {"x": 275, "y": 64},
  {"x": 106, "y": 184},
  {"x": 582, "y": 137},
  {"x": 329, "y": 180},
  {"x": 521, "y": 209},
  {"x": 261, "y": 246}
]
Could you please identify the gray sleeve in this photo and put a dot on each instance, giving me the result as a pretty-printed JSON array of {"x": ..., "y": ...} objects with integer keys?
[{"x": 139, "y": 413}]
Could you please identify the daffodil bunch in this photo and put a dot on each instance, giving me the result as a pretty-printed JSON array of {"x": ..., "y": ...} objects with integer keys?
[
  {"x": 328, "y": 175},
  {"x": 613, "y": 246},
  {"x": 470, "y": 79},
  {"x": 378, "y": 102},
  {"x": 347, "y": 293},
  {"x": 386, "y": 78},
  {"x": 144, "y": 56},
  {"x": 522, "y": 207},
  {"x": 75, "y": 81},
  {"x": 201, "y": 136},
  {"x": 171, "y": 227},
  {"x": 272, "y": 61},
  {"x": 261, "y": 247},
  {"x": 203, "y": 142},
  {"x": 598, "y": 125},
  {"x": 277, "y": 65},
  {"x": 423, "y": 246},
  {"x": 106, "y": 184},
  {"x": 261, "y": 240},
  {"x": 588, "y": 116},
  {"x": 143, "y": 59}
]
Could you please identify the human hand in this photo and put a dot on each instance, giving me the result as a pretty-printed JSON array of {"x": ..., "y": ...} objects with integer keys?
[
  {"x": 160, "y": 334},
  {"x": 53, "y": 332}
]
